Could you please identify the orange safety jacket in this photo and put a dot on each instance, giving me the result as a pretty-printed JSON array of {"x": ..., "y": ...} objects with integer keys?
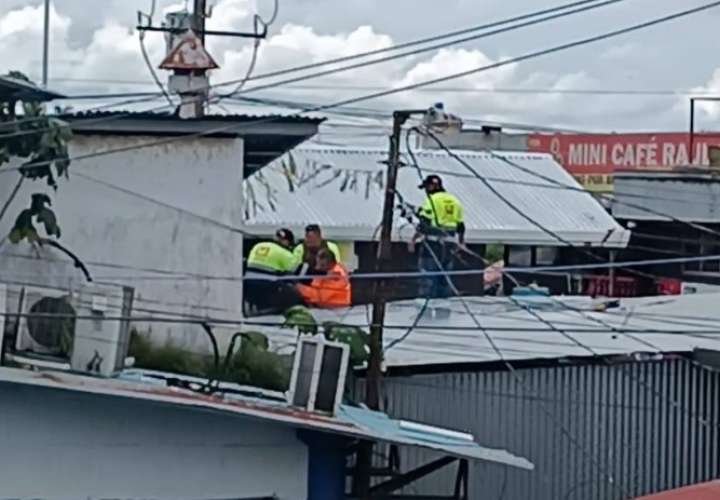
[{"x": 331, "y": 290}]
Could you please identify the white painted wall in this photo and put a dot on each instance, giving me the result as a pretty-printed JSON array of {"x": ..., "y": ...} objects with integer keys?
[
  {"x": 59, "y": 445},
  {"x": 202, "y": 175}
]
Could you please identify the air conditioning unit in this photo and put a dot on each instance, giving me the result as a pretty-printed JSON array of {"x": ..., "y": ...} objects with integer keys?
[
  {"x": 102, "y": 330},
  {"x": 92, "y": 336},
  {"x": 318, "y": 376},
  {"x": 40, "y": 334}
]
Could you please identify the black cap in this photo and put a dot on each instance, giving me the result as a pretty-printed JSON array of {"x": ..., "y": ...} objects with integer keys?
[
  {"x": 286, "y": 234},
  {"x": 430, "y": 180},
  {"x": 312, "y": 228}
]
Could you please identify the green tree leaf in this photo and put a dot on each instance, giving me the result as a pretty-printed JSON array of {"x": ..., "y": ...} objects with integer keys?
[
  {"x": 300, "y": 318},
  {"x": 353, "y": 336}
]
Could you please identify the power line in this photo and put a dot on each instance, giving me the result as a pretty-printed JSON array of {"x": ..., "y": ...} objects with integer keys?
[
  {"x": 542, "y": 319},
  {"x": 517, "y": 90},
  {"x": 521, "y": 381},
  {"x": 505, "y": 62},
  {"x": 365, "y": 54},
  {"x": 364, "y": 64},
  {"x": 525, "y": 57},
  {"x": 587, "y": 3}
]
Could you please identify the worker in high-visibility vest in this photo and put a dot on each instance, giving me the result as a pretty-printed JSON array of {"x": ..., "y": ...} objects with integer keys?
[
  {"x": 441, "y": 221},
  {"x": 267, "y": 260},
  {"x": 331, "y": 287},
  {"x": 306, "y": 251}
]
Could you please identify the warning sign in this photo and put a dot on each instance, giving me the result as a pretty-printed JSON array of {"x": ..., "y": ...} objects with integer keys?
[{"x": 189, "y": 54}]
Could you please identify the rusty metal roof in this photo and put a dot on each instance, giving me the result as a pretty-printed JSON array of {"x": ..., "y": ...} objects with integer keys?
[{"x": 350, "y": 421}]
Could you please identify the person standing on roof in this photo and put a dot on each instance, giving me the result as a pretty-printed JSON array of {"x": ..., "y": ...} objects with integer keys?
[
  {"x": 306, "y": 251},
  {"x": 269, "y": 259},
  {"x": 441, "y": 221},
  {"x": 331, "y": 288}
]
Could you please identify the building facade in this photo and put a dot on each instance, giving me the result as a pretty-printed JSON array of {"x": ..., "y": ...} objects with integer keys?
[{"x": 155, "y": 202}]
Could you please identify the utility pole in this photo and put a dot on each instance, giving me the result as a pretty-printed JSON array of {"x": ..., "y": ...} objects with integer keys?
[
  {"x": 361, "y": 484},
  {"x": 199, "y": 13},
  {"x": 46, "y": 44}
]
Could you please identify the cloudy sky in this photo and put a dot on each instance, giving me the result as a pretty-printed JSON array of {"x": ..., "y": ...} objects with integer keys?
[{"x": 95, "y": 49}]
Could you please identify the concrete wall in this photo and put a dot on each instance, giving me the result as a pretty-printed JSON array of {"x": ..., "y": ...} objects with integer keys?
[
  {"x": 477, "y": 140},
  {"x": 61, "y": 445},
  {"x": 106, "y": 225}
]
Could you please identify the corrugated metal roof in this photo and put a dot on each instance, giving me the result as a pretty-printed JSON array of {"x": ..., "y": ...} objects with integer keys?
[
  {"x": 350, "y": 421},
  {"x": 654, "y": 325},
  {"x": 172, "y": 117},
  {"x": 16, "y": 88},
  {"x": 342, "y": 190}
]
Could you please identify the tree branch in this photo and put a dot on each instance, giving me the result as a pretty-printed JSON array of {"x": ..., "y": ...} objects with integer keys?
[
  {"x": 76, "y": 260},
  {"x": 14, "y": 193}
]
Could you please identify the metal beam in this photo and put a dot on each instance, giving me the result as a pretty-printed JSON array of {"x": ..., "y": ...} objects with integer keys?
[
  {"x": 238, "y": 34},
  {"x": 403, "y": 480}
]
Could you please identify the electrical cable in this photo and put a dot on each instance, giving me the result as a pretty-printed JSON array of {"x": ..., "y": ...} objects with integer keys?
[
  {"x": 405, "y": 88},
  {"x": 404, "y": 274},
  {"x": 560, "y": 185},
  {"x": 365, "y": 54},
  {"x": 146, "y": 57},
  {"x": 257, "y": 22},
  {"x": 517, "y": 210},
  {"x": 421, "y": 41},
  {"x": 413, "y": 52},
  {"x": 540, "y": 318},
  {"x": 522, "y": 382}
]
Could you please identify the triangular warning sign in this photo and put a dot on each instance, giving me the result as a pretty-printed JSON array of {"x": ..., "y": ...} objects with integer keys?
[{"x": 189, "y": 54}]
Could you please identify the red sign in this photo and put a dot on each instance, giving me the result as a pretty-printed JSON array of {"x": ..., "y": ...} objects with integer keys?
[{"x": 593, "y": 158}]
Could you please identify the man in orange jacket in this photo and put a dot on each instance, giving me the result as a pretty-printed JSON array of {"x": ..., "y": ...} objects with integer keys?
[{"x": 332, "y": 289}]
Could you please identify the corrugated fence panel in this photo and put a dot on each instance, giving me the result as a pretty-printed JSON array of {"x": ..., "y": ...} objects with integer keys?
[{"x": 593, "y": 431}]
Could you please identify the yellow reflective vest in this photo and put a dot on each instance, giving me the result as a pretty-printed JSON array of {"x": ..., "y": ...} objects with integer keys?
[
  {"x": 272, "y": 257},
  {"x": 443, "y": 210},
  {"x": 299, "y": 251}
]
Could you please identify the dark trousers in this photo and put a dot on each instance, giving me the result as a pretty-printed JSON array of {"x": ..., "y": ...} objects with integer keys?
[
  {"x": 265, "y": 296},
  {"x": 434, "y": 257}
]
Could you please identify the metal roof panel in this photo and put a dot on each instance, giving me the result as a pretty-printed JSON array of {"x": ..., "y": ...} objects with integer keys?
[
  {"x": 350, "y": 421},
  {"x": 447, "y": 334},
  {"x": 342, "y": 190}
]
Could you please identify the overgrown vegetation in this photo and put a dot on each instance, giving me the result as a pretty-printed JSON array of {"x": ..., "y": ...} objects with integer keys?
[
  {"x": 41, "y": 142},
  {"x": 253, "y": 363},
  {"x": 495, "y": 252}
]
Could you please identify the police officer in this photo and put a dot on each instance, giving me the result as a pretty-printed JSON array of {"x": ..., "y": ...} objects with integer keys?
[
  {"x": 307, "y": 250},
  {"x": 270, "y": 259},
  {"x": 441, "y": 221}
]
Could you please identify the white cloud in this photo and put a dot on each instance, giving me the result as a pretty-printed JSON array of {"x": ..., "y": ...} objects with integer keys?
[
  {"x": 710, "y": 109},
  {"x": 111, "y": 51}
]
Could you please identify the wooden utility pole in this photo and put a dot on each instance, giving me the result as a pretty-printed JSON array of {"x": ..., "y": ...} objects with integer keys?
[
  {"x": 199, "y": 13},
  {"x": 363, "y": 466}
]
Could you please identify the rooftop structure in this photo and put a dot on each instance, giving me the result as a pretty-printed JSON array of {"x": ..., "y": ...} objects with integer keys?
[{"x": 342, "y": 190}]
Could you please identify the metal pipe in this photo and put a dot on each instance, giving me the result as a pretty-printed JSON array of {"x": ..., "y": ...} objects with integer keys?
[
  {"x": 46, "y": 43},
  {"x": 692, "y": 131}
]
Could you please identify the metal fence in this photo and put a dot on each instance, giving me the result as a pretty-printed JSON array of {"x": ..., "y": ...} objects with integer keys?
[{"x": 593, "y": 431}]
